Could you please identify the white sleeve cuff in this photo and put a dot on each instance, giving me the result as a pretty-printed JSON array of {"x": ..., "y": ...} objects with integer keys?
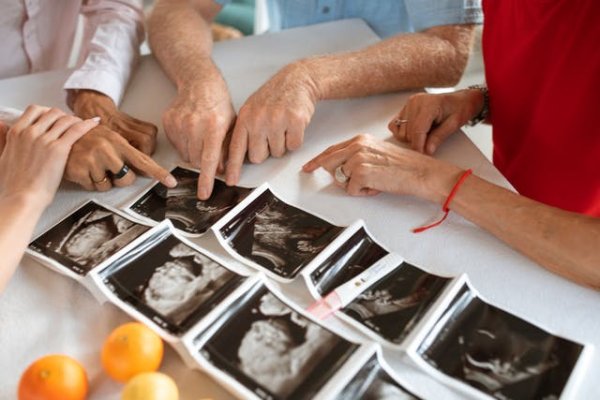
[{"x": 105, "y": 82}]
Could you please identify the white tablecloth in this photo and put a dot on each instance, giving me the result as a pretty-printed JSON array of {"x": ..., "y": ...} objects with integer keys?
[{"x": 42, "y": 312}]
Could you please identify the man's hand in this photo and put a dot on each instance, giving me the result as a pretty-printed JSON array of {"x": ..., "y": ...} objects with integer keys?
[
  {"x": 89, "y": 103},
  {"x": 197, "y": 123},
  {"x": 103, "y": 152},
  {"x": 273, "y": 120},
  {"x": 428, "y": 119}
]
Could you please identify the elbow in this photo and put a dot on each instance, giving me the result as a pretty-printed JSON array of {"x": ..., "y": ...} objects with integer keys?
[{"x": 455, "y": 67}]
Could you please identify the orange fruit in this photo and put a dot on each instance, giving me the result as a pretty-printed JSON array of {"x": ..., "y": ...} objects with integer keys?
[
  {"x": 130, "y": 349},
  {"x": 150, "y": 386},
  {"x": 53, "y": 377}
]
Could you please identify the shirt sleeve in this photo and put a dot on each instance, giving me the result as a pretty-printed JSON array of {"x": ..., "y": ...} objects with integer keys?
[
  {"x": 425, "y": 14},
  {"x": 112, "y": 36}
]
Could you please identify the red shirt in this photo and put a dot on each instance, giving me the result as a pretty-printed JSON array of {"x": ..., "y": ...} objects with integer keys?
[{"x": 542, "y": 64}]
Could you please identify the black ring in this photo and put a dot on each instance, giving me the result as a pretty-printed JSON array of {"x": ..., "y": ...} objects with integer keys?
[{"x": 121, "y": 173}]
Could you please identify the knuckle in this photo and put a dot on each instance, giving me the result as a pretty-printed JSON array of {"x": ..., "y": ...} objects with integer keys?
[
  {"x": 34, "y": 108},
  {"x": 361, "y": 157},
  {"x": 56, "y": 111},
  {"x": 103, "y": 146},
  {"x": 363, "y": 138},
  {"x": 29, "y": 132}
]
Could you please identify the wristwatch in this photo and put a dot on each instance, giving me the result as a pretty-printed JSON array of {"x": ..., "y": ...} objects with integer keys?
[{"x": 485, "y": 109}]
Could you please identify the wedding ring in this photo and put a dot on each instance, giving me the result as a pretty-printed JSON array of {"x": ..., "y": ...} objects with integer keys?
[
  {"x": 101, "y": 181},
  {"x": 121, "y": 173},
  {"x": 340, "y": 176},
  {"x": 399, "y": 121}
]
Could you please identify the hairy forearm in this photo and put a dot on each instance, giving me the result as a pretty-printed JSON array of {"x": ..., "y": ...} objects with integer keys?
[
  {"x": 563, "y": 242},
  {"x": 436, "y": 57},
  {"x": 19, "y": 217},
  {"x": 180, "y": 38}
]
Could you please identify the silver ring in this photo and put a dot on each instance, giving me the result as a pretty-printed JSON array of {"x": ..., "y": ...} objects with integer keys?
[
  {"x": 121, "y": 173},
  {"x": 399, "y": 122},
  {"x": 340, "y": 176}
]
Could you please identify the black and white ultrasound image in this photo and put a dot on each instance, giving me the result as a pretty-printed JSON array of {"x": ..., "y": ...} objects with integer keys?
[
  {"x": 278, "y": 236},
  {"x": 274, "y": 351},
  {"x": 372, "y": 382},
  {"x": 397, "y": 302},
  {"x": 181, "y": 205},
  {"x": 498, "y": 353},
  {"x": 87, "y": 237},
  {"x": 357, "y": 254},
  {"x": 173, "y": 284}
]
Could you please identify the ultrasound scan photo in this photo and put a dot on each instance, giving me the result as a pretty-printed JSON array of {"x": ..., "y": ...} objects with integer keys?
[
  {"x": 498, "y": 353},
  {"x": 278, "y": 236},
  {"x": 397, "y": 302},
  {"x": 181, "y": 205},
  {"x": 274, "y": 351},
  {"x": 173, "y": 284},
  {"x": 87, "y": 237},
  {"x": 372, "y": 382},
  {"x": 357, "y": 254}
]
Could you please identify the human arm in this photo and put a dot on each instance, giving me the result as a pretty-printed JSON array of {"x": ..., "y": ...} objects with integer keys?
[
  {"x": 33, "y": 155},
  {"x": 110, "y": 49},
  {"x": 274, "y": 118},
  {"x": 197, "y": 120},
  {"x": 561, "y": 241}
]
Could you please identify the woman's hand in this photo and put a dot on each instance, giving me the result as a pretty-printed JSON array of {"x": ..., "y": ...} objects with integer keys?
[
  {"x": 372, "y": 165},
  {"x": 35, "y": 152},
  {"x": 428, "y": 119}
]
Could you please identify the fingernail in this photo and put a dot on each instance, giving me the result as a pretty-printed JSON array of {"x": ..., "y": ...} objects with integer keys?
[
  {"x": 170, "y": 181},
  {"x": 96, "y": 119},
  {"x": 229, "y": 179},
  {"x": 203, "y": 193}
]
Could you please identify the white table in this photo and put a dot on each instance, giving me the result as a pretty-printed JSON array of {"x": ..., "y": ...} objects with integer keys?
[{"x": 42, "y": 312}]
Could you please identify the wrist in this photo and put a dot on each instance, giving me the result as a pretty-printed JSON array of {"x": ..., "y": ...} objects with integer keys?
[
  {"x": 479, "y": 99},
  {"x": 306, "y": 72},
  {"x": 442, "y": 178},
  {"x": 28, "y": 202},
  {"x": 87, "y": 104}
]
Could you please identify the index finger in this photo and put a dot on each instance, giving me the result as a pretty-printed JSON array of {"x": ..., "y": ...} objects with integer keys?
[
  {"x": 419, "y": 127},
  {"x": 147, "y": 166},
  {"x": 211, "y": 154},
  {"x": 237, "y": 152},
  {"x": 316, "y": 161}
]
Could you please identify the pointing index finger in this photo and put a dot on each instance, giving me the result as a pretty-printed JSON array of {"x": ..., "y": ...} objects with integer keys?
[{"x": 147, "y": 166}]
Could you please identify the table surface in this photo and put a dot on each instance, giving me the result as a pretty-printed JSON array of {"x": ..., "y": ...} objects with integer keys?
[{"x": 42, "y": 312}]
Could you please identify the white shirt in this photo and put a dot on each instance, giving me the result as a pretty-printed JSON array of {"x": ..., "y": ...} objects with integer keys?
[{"x": 37, "y": 35}]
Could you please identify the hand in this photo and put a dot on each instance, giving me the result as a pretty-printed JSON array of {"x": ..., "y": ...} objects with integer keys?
[
  {"x": 35, "y": 153},
  {"x": 273, "y": 119},
  {"x": 103, "y": 152},
  {"x": 89, "y": 103},
  {"x": 197, "y": 123},
  {"x": 373, "y": 165},
  {"x": 431, "y": 118}
]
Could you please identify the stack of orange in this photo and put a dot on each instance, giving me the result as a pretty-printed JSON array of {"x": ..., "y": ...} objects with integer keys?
[{"x": 131, "y": 353}]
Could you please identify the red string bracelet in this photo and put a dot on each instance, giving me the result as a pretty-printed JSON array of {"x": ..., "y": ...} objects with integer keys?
[{"x": 446, "y": 206}]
